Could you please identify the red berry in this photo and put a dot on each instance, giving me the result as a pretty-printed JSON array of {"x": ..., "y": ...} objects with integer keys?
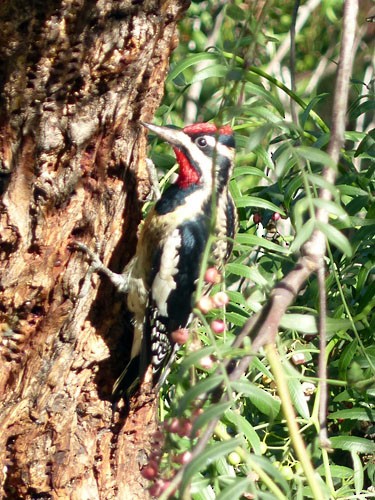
[
  {"x": 183, "y": 458},
  {"x": 220, "y": 299},
  {"x": 186, "y": 457},
  {"x": 206, "y": 362},
  {"x": 160, "y": 487},
  {"x": 212, "y": 275},
  {"x": 174, "y": 426},
  {"x": 218, "y": 326},
  {"x": 180, "y": 336},
  {"x": 205, "y": 304},
  {"x": 165, "y": 486},
  {"x": 149, "y": 472},
  {"x": 156, "y": 489},
  {"x": 185, "y": 429},
  {"x": 197, "y": 412}
]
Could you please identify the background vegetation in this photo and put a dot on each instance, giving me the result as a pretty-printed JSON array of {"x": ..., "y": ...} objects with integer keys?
[{"x": 235, "y": 63}]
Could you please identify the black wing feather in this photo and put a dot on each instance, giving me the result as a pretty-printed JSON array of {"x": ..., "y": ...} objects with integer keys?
[{"x": 158, "y": 346}]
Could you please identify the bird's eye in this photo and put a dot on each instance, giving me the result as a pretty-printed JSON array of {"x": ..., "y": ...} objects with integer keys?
[{"x": 201, "y": 142}]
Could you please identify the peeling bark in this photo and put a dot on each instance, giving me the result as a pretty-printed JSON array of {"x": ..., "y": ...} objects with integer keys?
[{"x": 75, "y": 78}]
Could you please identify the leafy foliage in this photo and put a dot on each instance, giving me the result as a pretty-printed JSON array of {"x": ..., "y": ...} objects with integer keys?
[{"x": 275, "y": 186}]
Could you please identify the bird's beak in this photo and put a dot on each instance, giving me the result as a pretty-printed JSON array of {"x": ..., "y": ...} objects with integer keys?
[{"x": 175, "y": 136}]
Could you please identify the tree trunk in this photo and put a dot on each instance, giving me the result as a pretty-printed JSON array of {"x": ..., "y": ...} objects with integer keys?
[{"x": 76, "y": 77}]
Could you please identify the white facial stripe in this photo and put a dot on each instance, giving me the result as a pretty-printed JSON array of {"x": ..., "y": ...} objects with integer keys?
[
  {"x": 219, "y": 148},
  {"x": 205, "y": 162},
  {"x": 225, "y": 151},
  {"x": 211, "y": 140}
]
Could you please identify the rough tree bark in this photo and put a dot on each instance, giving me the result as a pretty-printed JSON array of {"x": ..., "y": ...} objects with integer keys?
[{"x": 75, "y": 78}]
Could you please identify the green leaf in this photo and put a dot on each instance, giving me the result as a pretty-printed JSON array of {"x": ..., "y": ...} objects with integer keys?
[
  {"x": 319, "y": 181},
  {"x": 353, "y": 444},
  {"x": 284, "y": 160},
  {"x": 351, "y": 190},
  {"x": 201, "y": 488},
  {"x": 332, "y": 208},
  {"x": 257, "y": 136},
  {"x": 253, "y": 240},
  {"x": 235, "y": 489},
  {"x": 249, "y": 272},
  {"x": 302, "y": 235},
  {"x": 367, "y": 145},
  {"x": 346, "y": 357},
  {"x": 265, "y": 113},
  {"x": 338, "y": 471},
  {"x": 334, "y": 325},
  {"x": 236, "y": 297},
  {"x": 309, "y": 107},
  {"x": 214, "y": 411},
  {"x": 305, "y": 323},
  {"x": 316, "y": 156},
  {"x": 206, "y": 457},
  {"x": 193, "y": 358},
  {"x": 235, "y": 12},
  {"x": 262, "y": 368},
  {"x": 259, "y": 91},
  {"x": 213, "y": 71},
  {"x": 364, "y": 107},
  {"x": 272, "y": 471},
  {"x": 298, "y": 398},
  {"x": 201, "y": 387},
  {"x": 335, "y": 237},
  {"x": 235, "y": 318},
  {"x": 259, "y": 398},
  {"x": 308, "y": 323},
  {"x": 300, "y": 209},
  {"x": 244, "y": 426},
  {"x": 253, "y": 171},
  {"x": 358, "y": 473},
  {"x": 253, "y": 201},
  {"x": 189, "y": 61},
  {"x": 361, "y": 413}
]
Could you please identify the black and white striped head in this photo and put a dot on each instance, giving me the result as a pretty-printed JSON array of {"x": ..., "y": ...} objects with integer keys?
[{"x": 198, "y": 148}]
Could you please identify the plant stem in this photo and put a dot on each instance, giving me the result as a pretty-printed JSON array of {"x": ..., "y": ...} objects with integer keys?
[{"x": 290, "y": 417}]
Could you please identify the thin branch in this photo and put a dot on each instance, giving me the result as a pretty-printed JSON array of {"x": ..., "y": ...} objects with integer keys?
[
  {"x": 337, "y": 138},
  {"x": 293, "y": 59},
  {"x": 291, "y": 419},
  {"x": 263, "y": 326},
  {"x": 322, "y": 367},
  {"x": 325, "y": 68},
  {"x": 304, "y": 14}
]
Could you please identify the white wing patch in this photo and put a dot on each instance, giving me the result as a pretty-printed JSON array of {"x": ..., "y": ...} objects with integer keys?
[{"x": 164, "y": 280}]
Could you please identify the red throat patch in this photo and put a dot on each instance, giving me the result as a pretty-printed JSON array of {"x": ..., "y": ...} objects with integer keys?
[{"x": 187, "y": 175}]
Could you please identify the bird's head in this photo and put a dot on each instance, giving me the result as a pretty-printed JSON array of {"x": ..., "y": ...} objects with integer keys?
[{"x": 199, "y": 148}]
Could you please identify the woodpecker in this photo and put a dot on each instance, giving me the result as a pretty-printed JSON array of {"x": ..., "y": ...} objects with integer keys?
[{"x": 161, "y": 279}]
